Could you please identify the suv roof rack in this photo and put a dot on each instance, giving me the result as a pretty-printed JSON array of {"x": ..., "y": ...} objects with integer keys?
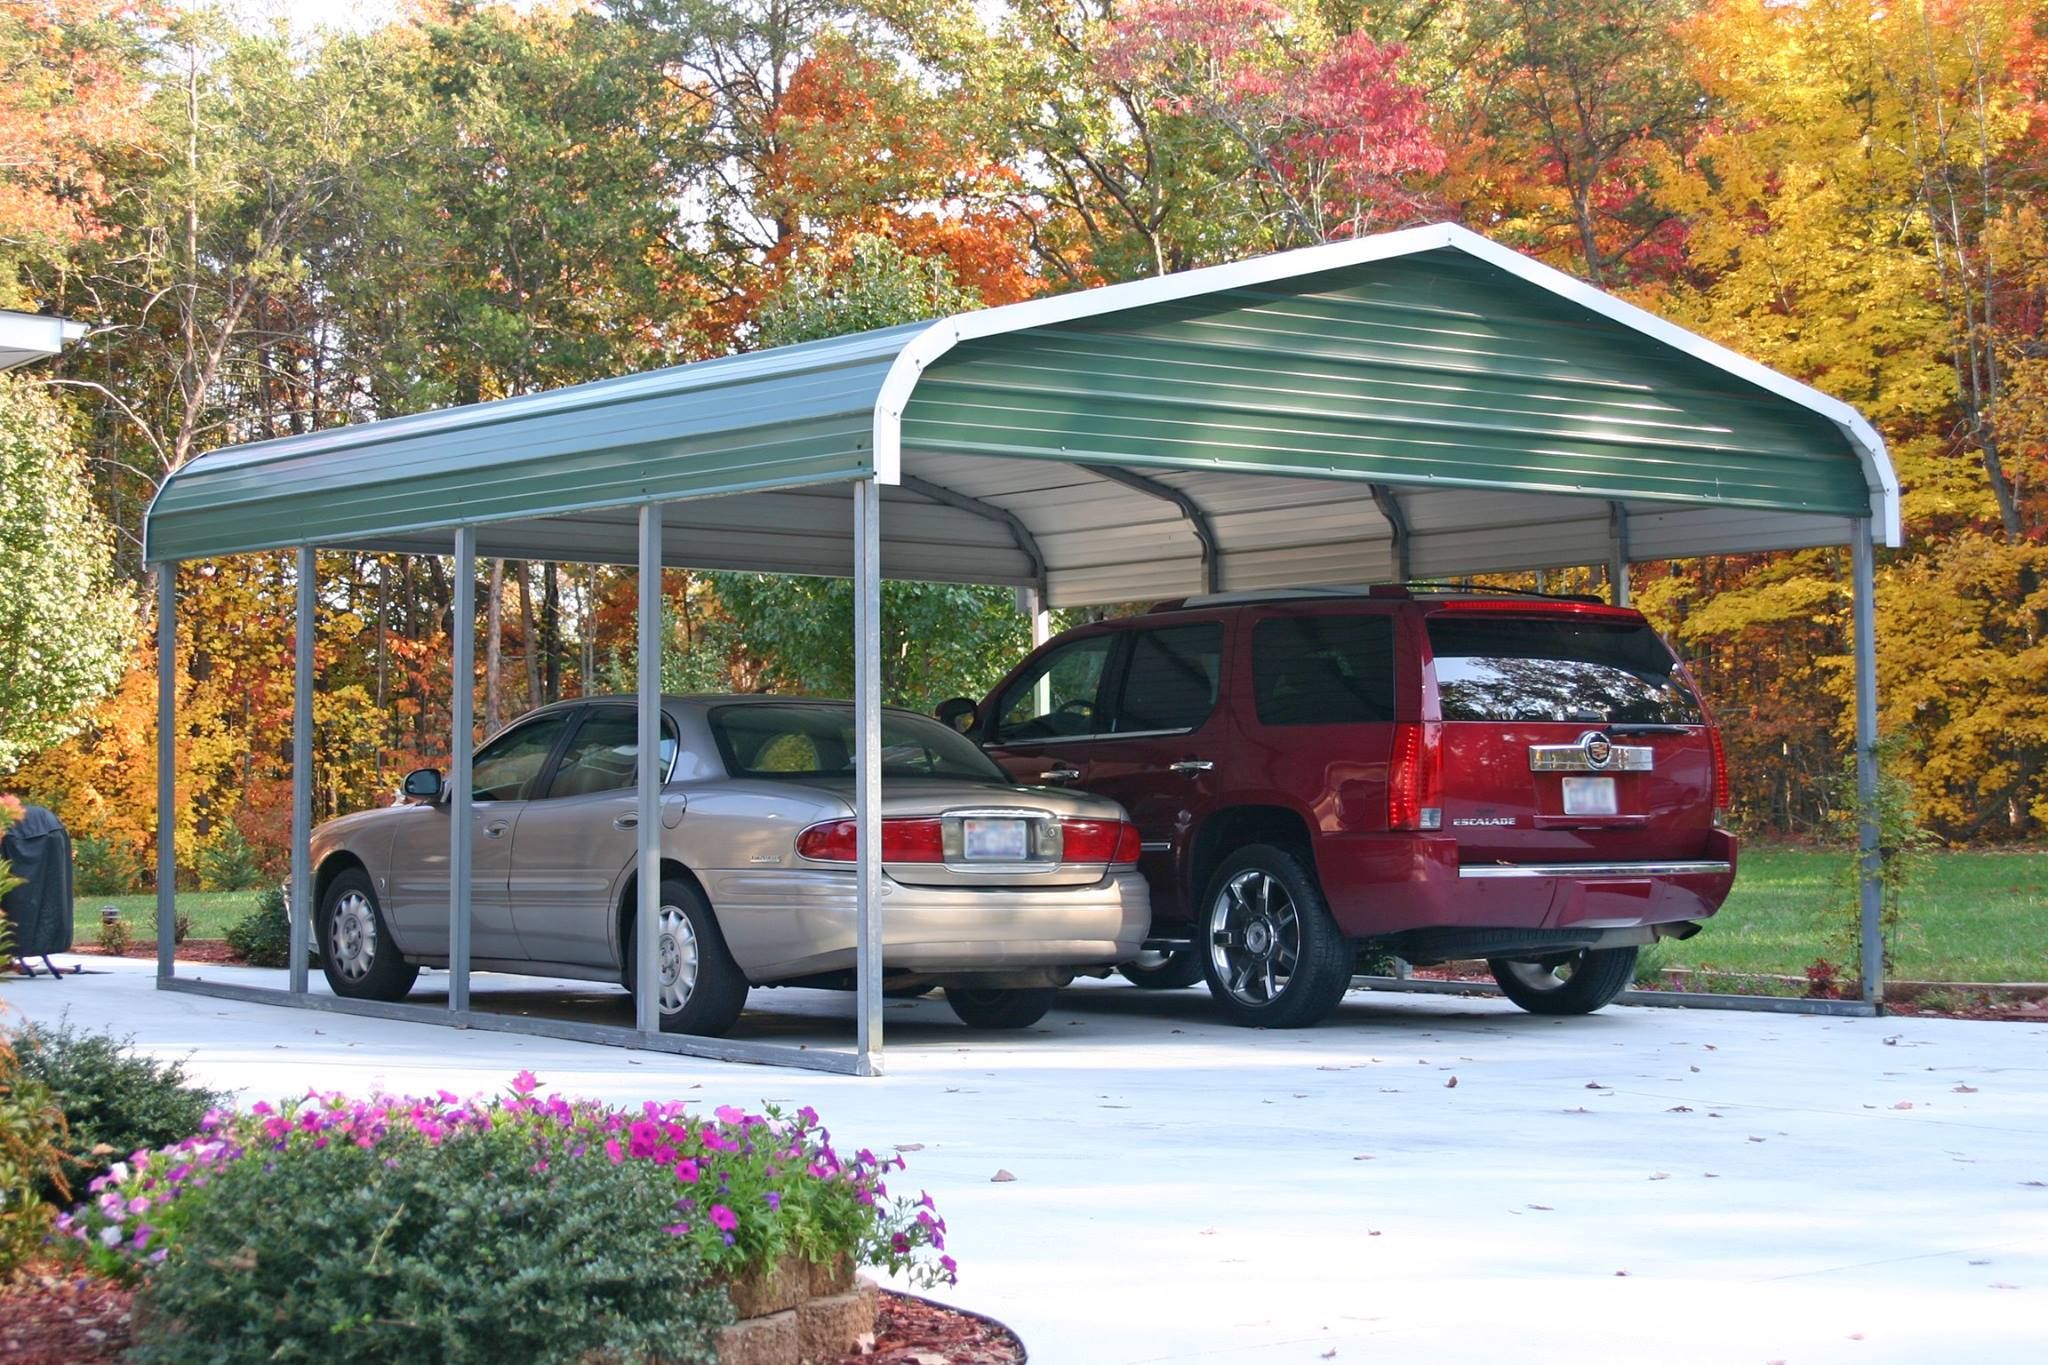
[{"x": 1402, "y": 591}]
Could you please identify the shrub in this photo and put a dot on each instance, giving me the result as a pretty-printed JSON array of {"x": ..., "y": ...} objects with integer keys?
[
  {"x": 181, "y": 925},
  {"x": 226, "y": 861},
  {"x": 116, "y": 936},
  {"x": 487, "y": 1244},
  {"x": 104, "y": 868},
  {"x": 115, "y": 1101},
  {"x": 263, "y": 937},
  {"x": 523, "y": 1228},
  {"x": 31, "y": 1160}
]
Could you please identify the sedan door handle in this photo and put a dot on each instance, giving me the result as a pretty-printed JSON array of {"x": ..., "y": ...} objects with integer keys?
[
  {"x": 496, "y": 831},
  {"x": 1193, "y": 765},
  {"x": 626, "y": 822},
  {"x": 1060, "y": 775}
]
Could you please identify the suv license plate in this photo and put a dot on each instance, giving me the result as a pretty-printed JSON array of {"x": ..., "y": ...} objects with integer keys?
[
  {"x": 995, "y": 840},
  {"x": 1590, "y": 796}
]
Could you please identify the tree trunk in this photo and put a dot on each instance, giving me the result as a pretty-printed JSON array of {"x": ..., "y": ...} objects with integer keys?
[
  {"x": 527, "y": 638},
  {"x": 551, "y": 631},
  {"x": 494, "y": 631}
]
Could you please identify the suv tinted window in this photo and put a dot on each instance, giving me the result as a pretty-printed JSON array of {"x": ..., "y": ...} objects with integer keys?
[
  {"x": 1565, "y": 669},
  {"x": 1323, "y": 670},
  {"x": 1170, "y": 683},
  {"x": 1057, "y": 696}
]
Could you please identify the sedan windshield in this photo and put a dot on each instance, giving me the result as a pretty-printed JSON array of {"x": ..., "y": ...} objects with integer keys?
[{"x": 799, "y": 740}]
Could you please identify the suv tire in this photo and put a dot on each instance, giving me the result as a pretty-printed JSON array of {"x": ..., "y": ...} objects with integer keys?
[
  {"x": 1164, "y": 971},
  {"x": 995, "y": 1007},
  {"x": 1273, "y": 955},
  {"x": 1596, "y": 977}
]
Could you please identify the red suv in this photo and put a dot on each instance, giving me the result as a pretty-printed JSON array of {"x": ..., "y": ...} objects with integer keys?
[{"x": 1433, "y": 774}]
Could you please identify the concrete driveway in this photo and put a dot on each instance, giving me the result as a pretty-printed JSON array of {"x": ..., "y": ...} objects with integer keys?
[{"x": 1425, "y": 1177}]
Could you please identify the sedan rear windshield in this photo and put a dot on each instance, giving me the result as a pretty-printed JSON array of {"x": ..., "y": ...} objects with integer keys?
[
  {"x": 782, "y": 739},
  {"x": 1505, "y": 668}
]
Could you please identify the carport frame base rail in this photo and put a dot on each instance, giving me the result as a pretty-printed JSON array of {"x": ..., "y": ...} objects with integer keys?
[
  {"x": 1686, "y": 1000},
  {"x": 838, "y": 1063}
]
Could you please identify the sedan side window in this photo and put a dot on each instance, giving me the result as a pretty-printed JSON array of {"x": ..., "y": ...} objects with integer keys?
[
  {"x": 1170, "y": 683},
  {"x": 1058, "y": 696},
  {"x": 505, "y": 769},
  {"x": 604, "y": 754}
]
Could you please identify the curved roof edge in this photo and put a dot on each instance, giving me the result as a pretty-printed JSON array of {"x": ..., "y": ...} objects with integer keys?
[{"x": 924, "y": 347}]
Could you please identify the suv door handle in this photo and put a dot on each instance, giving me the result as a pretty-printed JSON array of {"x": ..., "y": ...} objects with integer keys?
[
  {"x": 1193, "y": 765},
  {"x": 1060, "y": 775}
]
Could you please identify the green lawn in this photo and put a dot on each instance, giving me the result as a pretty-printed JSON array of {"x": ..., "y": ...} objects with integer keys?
[
  {"x": 1970, "y": 917},
  {"x": 211, "y": 913}
]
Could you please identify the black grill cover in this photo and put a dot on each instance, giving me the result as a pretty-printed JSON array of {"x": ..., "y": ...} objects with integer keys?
[{"x": 38, "y": 851}]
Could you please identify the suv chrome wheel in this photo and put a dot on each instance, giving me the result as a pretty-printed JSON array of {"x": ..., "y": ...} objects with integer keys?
[{"x": 1254, "y": 937}]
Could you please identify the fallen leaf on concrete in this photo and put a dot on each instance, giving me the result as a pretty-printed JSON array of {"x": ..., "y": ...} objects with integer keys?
[
  {"x": 1679, "y": 1109},
  {"x": 1621, "y": 1274},
  {"x": 2035, "y": 1184},
  {"x": 1692, "y": 1068},
  {"x": 1580, "y": 1110},
  {"x": 910, "y": 1146},
  {"x": 1661, "y": 1175},
  {"x": 1892, "y": 1041},
  {"x": 1710, "y": 1047},
  {"x": 1594, "y": 1085},
  {"x": 1855, "y": 1336},
  {"x": 1711, "y": 1175},
  {"x": 1542, "y": 1208},
  {"x": 2001, "y": 1284},
  {"x": 1178, "y": 1030},
  {"x": 1903, "y": 1104},
  {"x": 1451, "y": 1084},
  {"x": 1330, "y": 1354},
  {"x": 1372, "y": 1232},
  {"x": 1965, "y": 1089},
  {"x": 1980, "y": 1263},
  {"x": 1001, "y": 1178},
  {"x": 1365, "y": 1157},
  {"x": 1207, "y": 1232}
]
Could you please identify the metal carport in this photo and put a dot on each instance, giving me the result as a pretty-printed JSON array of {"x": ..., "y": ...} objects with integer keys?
[{"x": 1422, "y": 403}]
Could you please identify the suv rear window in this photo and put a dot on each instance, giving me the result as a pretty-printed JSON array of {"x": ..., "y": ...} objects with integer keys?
[
  {"x": 1323, "y": 670},
  {"x": 1557, "y": 669}
]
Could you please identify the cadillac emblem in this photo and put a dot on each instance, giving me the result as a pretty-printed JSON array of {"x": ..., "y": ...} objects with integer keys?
[{"x": 1599, "y": 750}]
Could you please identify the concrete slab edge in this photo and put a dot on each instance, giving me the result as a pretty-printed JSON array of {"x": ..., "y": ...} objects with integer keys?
[{"x": 1694, "y": 1000}]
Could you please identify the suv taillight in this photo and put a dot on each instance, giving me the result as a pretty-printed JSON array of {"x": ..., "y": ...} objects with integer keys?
[
  {"x": 1415, "y": 779},
  {"x": 1720, "y": 772}
]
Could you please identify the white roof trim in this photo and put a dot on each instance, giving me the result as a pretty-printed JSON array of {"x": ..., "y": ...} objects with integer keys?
[{"x": 942, "y": 336}]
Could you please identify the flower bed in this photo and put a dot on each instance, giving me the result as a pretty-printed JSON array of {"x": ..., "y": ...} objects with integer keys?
[{"x": 527, "y": 1226}]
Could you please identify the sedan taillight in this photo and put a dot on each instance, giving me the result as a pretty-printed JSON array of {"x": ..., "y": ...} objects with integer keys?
[{"x": 922, "y": 840}]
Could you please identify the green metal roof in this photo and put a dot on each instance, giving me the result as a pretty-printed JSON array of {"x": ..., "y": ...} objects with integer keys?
[{"x": 1415, "y": 386}]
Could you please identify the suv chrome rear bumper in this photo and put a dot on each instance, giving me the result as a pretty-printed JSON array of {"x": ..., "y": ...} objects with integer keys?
[{"x": 1709, "y": 867}]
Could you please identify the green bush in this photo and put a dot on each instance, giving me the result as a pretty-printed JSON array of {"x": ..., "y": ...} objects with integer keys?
[
  {"x": 263, "y": 937},
  {"x": 226, "y": 861},
  {"x": 115, "y": 936},
  {"x": 496, "y": 1244},
  {"x": 102, "y": 868},
  {"x": 115, "y": 1101},
  {"x": 31, "y": 1161}
]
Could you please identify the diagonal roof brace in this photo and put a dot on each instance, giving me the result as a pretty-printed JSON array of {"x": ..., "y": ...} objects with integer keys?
[
  {"x": 1397, "y": 527},
  {"x": 1212, "y": 564},
  {"x": 1019, "y": 532}
]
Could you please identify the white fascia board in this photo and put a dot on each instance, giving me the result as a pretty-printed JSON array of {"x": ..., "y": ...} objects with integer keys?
[
  {"x": 36, "y": 336},
  {"x": 942, "y": 336}
]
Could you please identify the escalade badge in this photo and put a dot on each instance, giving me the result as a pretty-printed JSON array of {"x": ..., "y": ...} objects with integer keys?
[
  {"x": 1599, "y": 750},
  {"x": 1486, "y": 820}
]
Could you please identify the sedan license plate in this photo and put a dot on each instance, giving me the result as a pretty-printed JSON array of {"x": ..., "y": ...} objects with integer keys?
[
  {"x": 995, "y": 840},
  {"x": 1590, "y": 796}
]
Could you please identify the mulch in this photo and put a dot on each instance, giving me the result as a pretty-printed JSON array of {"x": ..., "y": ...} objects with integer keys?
[
  {"x": 200, "y": 950},
  {"x": 51, "y": 1314}
]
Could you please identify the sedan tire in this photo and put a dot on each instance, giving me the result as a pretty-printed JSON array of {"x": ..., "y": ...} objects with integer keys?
[
  {"x": 1273, "y": 955},
  {"x": 998, "y": 1008},
  {"x": 702, "y": 988},
  {"x": 356, "y": 952},
  {"x": 1590, "y": 980}
]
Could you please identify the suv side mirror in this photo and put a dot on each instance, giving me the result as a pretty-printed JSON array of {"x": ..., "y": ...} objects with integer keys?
[
  {"x": 956, "y": 713},
  {"x": 423, "y": 784}
]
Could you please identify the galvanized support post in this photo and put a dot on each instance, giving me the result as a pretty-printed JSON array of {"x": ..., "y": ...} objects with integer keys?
[
  {"x": 166, "y": 769},
  {"x": 867, "y": 781},
  {"x": 647, "y": 903},
  {"x": 1870, "y": 886},
  {"x": 461, "y": 748},
  {"x": 1033, "y": 608},
  {"x": 1617, "y": 570},
  {"x": 302, "y": 773}
]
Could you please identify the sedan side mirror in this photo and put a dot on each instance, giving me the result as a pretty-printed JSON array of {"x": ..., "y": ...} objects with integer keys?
[
  {"x": 956, "y": 713},
  {"x": 423, "y": 784}
]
